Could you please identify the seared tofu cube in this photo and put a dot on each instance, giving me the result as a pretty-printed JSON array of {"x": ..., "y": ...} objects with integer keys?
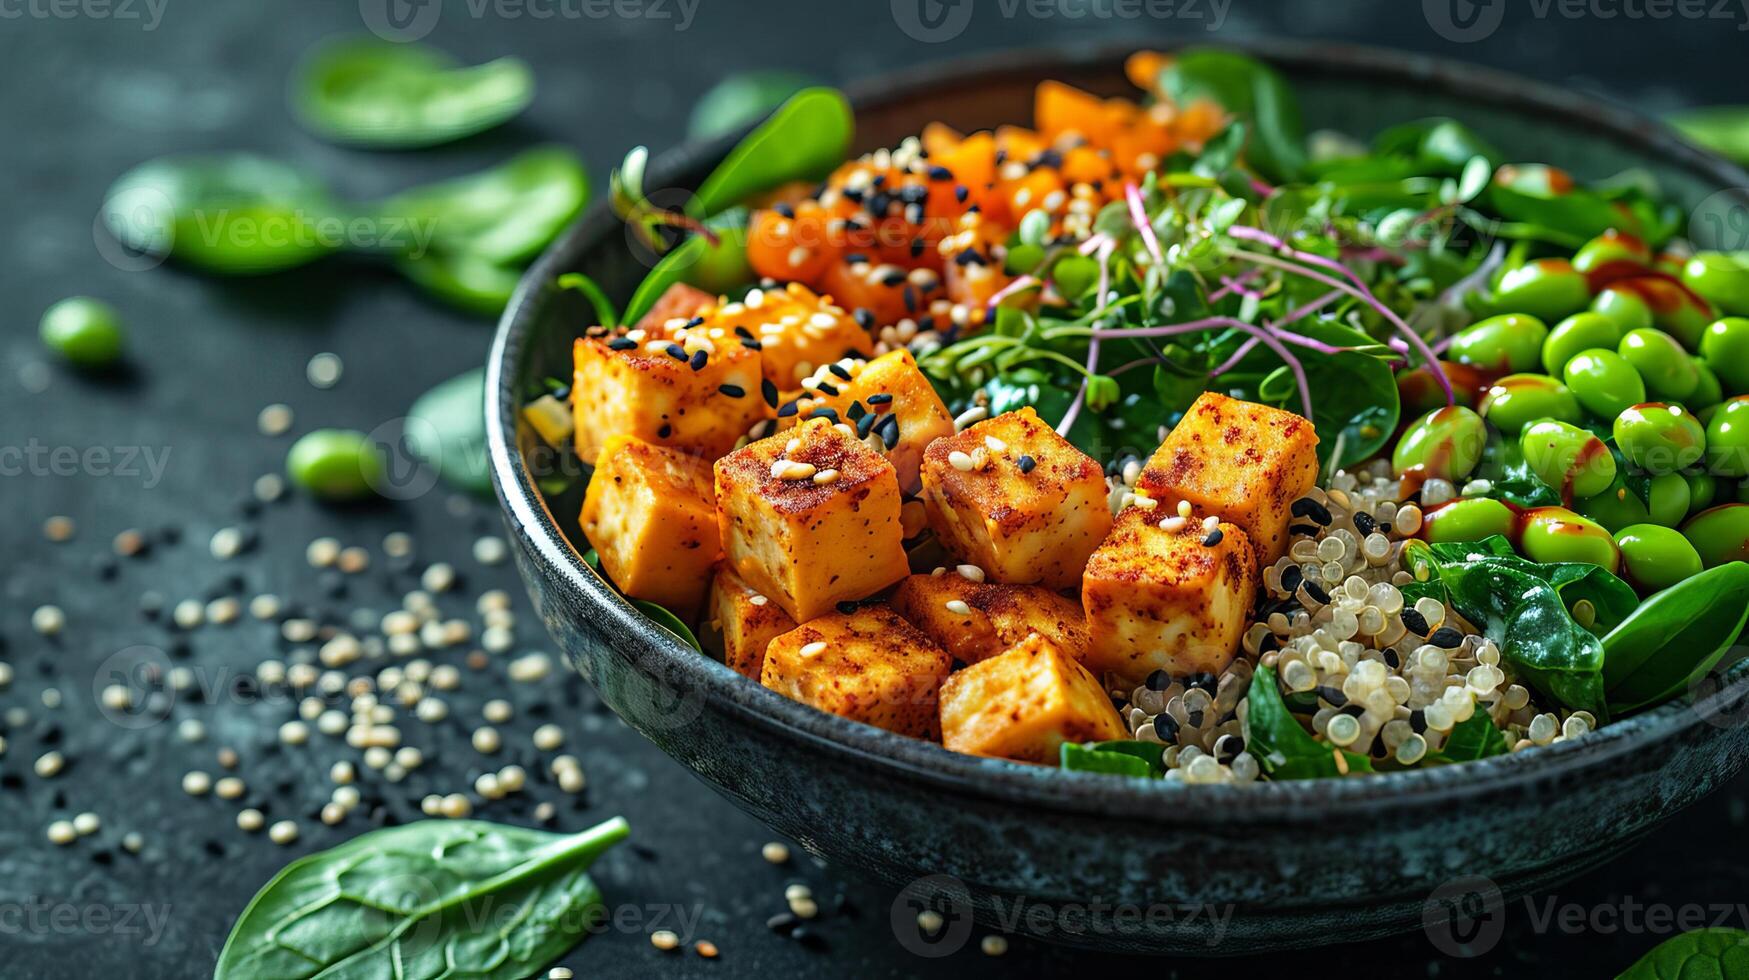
[
  {"x": 810, "y": 517},
  {"x": 1175, "y": 598},
  {"x": 680, "y": 302},
  {"x": 870, "y": 666},
  {"x": 797, "y": 330},
  {"x": 889, "y": 401},
  {"x": 743, "y": 621},
  {"x": 977, "y": 620},
  {"x": 650, "y": 516},
  {"x": 693, "y": 389},
  {"x": 1024, "y": 703},
  {"x": 1242, "y": 462},
  {"x": 1014, "y": 498}
]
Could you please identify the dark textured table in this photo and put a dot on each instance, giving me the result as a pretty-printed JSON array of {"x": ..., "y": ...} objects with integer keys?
[{"x": 171, "y": 448}]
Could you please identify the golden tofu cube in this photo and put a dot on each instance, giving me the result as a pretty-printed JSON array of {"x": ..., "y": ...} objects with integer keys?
[
  {"x": 1024, "y": 703},
  {"x": 650, "y": 515},
  {"x": 743, "y": 622},
  {"x": 798, "y": 330},
  {"x": 870, "y": 666},
  {"x": 1242, "y": 462},
  {"x": 634, "y": 384},
  {"x": 810, "y": 517},
  {"x": 1014, "y": 498},
  {"x": 975, "y": 621},
  {"x": 889, "y": 401},
  {"x": 1173, "y": 600}
]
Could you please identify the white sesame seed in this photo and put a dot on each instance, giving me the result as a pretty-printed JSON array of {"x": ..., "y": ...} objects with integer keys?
[
  {"x": 664, "y": 940},
  {"x": 813, "y": 649},
  {"x": 1173, "y": 524},
  {"x": 226, "y": 543},
  {"x": 994, "y": 444},
  {"x": 775, "y": 852},
  {"x": 824, "y": 477},
  {"x": 48, "y": 620},
  {"x": 930, "y": 921},
  {"x": 1211, "y": 523},
  {"x": 758, "y": 600},
  {"x": 324, "y": 370},
  {"x": 196, "y": 783},
  {"x": 409, "y": 757},
  {"x": 283, "y": 832},
  {"x": 970, "y": 572},
  {"x": 571, "y": 780},
  {"x": 229, "y": 788},
  {"x": 87, "y": 823},
  {"x": 497, "y": 711},
  {"x": 294, "y": 733},
  {"x": 531, "y": 667},
  {"x": 511, "y": 779},
  {"x": 455, "y": 806},
  {"x": 118, "y": 697},
  {"x": 548, "y": 737},
  {"x": 960, "y": 461},
  {"x": 190, "y": 730},
  {"x": 486, "y": 740},
  {"x": 250, "y": 820},
  {"x": 322, "y": 552},
  {"x": 993, "y": 945},
  {"x": 61, "y": 833},
  {"x": 491, "y": 551},
  {"x": 49, "y": 764},
  {"x": 274, "y": 420},
  {"x": 958, "y": 607},
  {"x": 438, "y": 577}
]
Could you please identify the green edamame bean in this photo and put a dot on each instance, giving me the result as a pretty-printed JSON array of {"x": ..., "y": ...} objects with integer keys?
[
  {"x": 1675, "y": 310},
  {"x": 1556, "y": 534},
  {"x": 1707, "y": 391},
  {"x": 1604, "y": 382},
  {"x": 1703, "y": 490},
  {"x": 1720, "y": 534},
  {"x": 1720, "y": 280},
  {"x": 1664, "y": 365},
  {"x": 1545, "y": 288},
  {"x": 335, "y": 464},
  {"x": 1579, "y": 333},
  {"x": 1727, "y": 439},
  {"x": 1613, "y": 255},
  {"x": 1668, "y": 499},
  {"x": 83, "y": 330},
  {"x": 1446, "y": 443},
  {"x": 1506, "y": 343},
  {"x": 1725, "y": 348},
  {"x": 1660, "y": 437},
  {"x": 1626, "y": 308},
  {"x": 1568, "y": 458},
  {"x": 1614, "y": 508},
  {"x": 1468, "y": 519},
  {"x": 1656, "y": 557},
  {"x": 1517, "y": 400},
  {"x": 1420, "y": 393}
]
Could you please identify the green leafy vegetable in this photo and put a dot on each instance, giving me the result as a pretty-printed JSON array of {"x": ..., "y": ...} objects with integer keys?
[
  {"x": 1356, "y": 406},
  {"x": 1107, "y": 757},
  {"x": 1675, "y": 637},
  {"x": 1284, "y": 749},
  {"x": 1705, "y": 954},
  {"x": 660, "y": 615},
  {"x": 669, "y": 269},
  {"x": 740, "y": 100},
  {"x": 1251, "y": 90},
  {"x": 1722, "y": 129},
  {"x": 505, "y": 215},
  {"x": 429, "y": 899},
  {"x": 372, "y": 93},
  {"x": 1477, "y": 737},
  {"x": 605, "y": 314},
  {"x": 446, "y": 427},
  {"x": 1546, "y": 197},
  {"x": 804, "y": 139}
]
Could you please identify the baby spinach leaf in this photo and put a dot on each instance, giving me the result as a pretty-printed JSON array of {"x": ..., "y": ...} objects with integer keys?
[
  {"x": 1094, "y": 758},
  {"x": 668, "y": 270},
  {"x": 741, "y": 99},
  {"x": 446, "y": 428},
  {"x": 504, "y": 216},
  {"x": 372, "y": 93},
  {"x": 1675, "y": 637},
  {"x": 1705, "y": 954},
  {"x": 605, "y": 314},
  {"x": 1284, "y": 749},
  {"x": 804, "y": 139},
  {"x": 465, "y": 281},
  {"x": 1477, "y": 737},
  {"x": 1251, "y": 90},
  {"x": 718, "y": 268},
  {"x": 668, "y": 621},
  {"x": 427, "y": 899},
  {"x": 1722, "y": 129},
  {"x": 234, "y": 214},
  {"x": 1542, "y": 196},
  {"x": 1437, "y": 146}
]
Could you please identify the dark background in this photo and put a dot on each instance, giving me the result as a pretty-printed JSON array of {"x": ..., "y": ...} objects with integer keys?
[{"x": 89, "y": 91}]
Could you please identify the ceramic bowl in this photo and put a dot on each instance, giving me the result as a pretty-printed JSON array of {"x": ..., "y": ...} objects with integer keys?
[{"x": 1131, "y": 865}]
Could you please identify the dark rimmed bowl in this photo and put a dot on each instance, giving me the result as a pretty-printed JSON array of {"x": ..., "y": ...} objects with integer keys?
[{"x": 1120, "y": 864}]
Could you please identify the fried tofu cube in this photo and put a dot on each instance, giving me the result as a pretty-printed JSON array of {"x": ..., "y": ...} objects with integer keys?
[
  {"x": 797, "y": 329},
  {"x": 1242, "y": 462},
  {"x": 975, "y": 621},
  {"x": 1014, "y": 498},
  {"x": 890, "y": 403},
  {"x": 650, "y": 515},
  {"x": 1174, "y": 600},
  {"x": 743, "y": 621},
  {"x": 689, "y": 389},
  {"x": 679, "y": 301},
  {"x": 870, "y": 666},
  {"x": 1024, "y": 703},
  {"x": 810, "y": 517}
]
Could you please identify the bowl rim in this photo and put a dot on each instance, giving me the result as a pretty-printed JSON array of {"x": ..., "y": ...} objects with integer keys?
[{"x": 1041, "y": 787}]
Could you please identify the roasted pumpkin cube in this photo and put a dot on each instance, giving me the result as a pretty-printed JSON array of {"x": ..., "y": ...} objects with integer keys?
[
  {"x": 889, "y": 401},
  {"x": 1165, "y": 594},
  {"x": 810, "y": 517},
  {"x": 869, "y": 665},
  {"x": 743, "y": 622},
  {"x": 679, "y": 301},
  {"x": 649, "y": 515},
  {"x": 1014, "y": 498},
  {"x": 797, "y": 330},
  {"x": 694, "y": 389},
  {"x": 1024, "y": 703},
  {"x": 977, "y": 620},
  {"x": 1242, "y": 462}
]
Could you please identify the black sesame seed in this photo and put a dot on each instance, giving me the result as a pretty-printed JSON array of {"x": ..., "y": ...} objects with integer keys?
[
  {"x": 1194, "y": 718},
  {"x": 1214, "y": 538},
  {"x": 847, "y": 607},
  {"x": 940, "y": 173},
  {"x": 910, "y": 299},
  {"x": 787, "y": 409},
  {"x": 856, "y": 258},
  {"x": 783, "y": 922},
  {"x": 1291, "y": 577},
  {"x": 1414, "y": 621},
  {"x": 733, "y": 391},
  {"x": 787, "y": 210},
  {"x": 1317, "y": 592},
  {"x": 1158, "y": 680},
  {"x": 824, "y": 412},
  {"x": 916, "y": 247},
  {"x": 1391, "y": 659},
  {"x": 880, "y": 398},
  {"x": 1204, "y": 679},
  {"x": 744, "y": 333},
  {"x": 961, "y": 192},
  {"x": 697, "y": 321},
  {"x": 677, "y": 352},
  {"x": 1331, "y": 696},
  {"x": 1307, "y": 530},
  {"x": 622, "y": 343},
  {"x": 840, "y": 370},
  {"x": 889, "y": 430},
  {"x": 769, "y": 390},
  {"x": 1307, "y": 507},
  {"x": 752, "y": 344},
  {"x": 1418, "y": 721},
  {"x": 1446, "y": 637},
  {"x": 827, "y": 388},
  {"x": 866, "y": 424},
  {"x": 855, "y": 411},
  {"x": 1166, "y": 727},
  {"x": 864, "y": 318},
  {"x": 665, "y": 431},
  {"x": 1026, "y": 463},
  {"x": 1364, "y": 523},
  {"x": 700, "y": 358}
]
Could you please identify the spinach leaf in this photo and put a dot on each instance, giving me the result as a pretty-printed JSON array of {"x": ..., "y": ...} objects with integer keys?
[
  {"x": 1436, "y": 145},
  {"x": 1284, "y": 749},
  {"x": 605, "y": 314},
  {"x": 372, "y": 93},
  {"x": 446, "y": 427},
  {"x": 718, "y": 268},
  {"x": 658, "y": 614},
  {"x": 1474, "y": 738},
  {"x": 1718, "y": 954},
  {"x": 1722, "y": 129},
  {"x": 467, "y": 282},
  {"x": 741, "y": 99},
  {"x": 505, "y": 215},
  {"x": 668, "y": 270},
  {"x": 1547, "y": 198},
  {"x": 1095, "y": 758},
  {"x": 1675, "y": 637},
  {"x": 1252, "y": 90},
  {"x": 1355, "y": 403},
  {"x": 428, "y": 899},
  {"x": 804, "y": 139}
]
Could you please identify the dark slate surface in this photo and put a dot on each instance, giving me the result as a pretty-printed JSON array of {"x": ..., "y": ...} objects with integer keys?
[{"x": 94, "y": 87}]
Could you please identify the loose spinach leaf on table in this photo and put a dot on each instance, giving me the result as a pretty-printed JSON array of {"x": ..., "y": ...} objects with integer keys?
[
  {"x": 1722, "y": 129},
  {"x": 372, "y": 93},
  {"x": 505, "y": 215},
  {"x": 1284, "y": 749},
  {"x": 432, "y": 899},
  {"x": 446, "y": 428},
  {"x": 1705, "y": 954},
  {"x": 467, "y": 282},
  {"x": 1675, "y": 637}
]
